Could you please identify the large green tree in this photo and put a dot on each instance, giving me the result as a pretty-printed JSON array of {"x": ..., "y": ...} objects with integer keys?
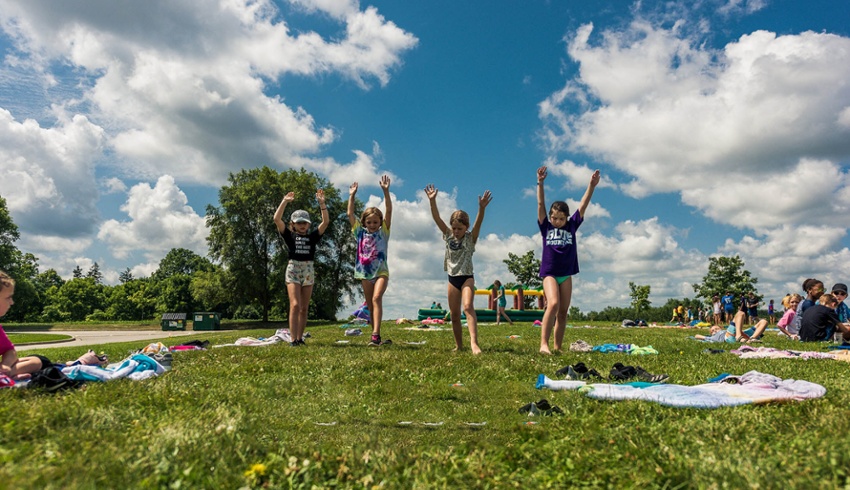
[
  {"x": 640, "y": 297},
  {"x": 8, "y": 236},
  {"x": 526, "y": 269},
  {"x": 244, "y": 239},
  {"x": 726, "y": 274}
]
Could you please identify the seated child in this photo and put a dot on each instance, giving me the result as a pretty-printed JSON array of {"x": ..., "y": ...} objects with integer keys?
[
  {"x": 10, "y": 364},
  {"x": 786, "y": 323},
  {"x": 820, "y": 321}
]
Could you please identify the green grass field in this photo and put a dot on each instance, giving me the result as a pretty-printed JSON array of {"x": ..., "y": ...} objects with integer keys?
[
  {"x": 328, "y": 415},
  {"x": 33, "y": 338}
]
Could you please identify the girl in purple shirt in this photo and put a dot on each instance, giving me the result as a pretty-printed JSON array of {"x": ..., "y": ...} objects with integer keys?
[{"x": 560, "y": 258}]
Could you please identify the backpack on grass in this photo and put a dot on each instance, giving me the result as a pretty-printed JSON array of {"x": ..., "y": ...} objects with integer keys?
[{"x": 52, "y": 379}]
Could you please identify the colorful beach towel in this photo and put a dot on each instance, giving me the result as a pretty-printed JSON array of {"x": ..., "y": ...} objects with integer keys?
[
  {"x": 750, "y": 388},
  {"x": 632, "y": 349}
]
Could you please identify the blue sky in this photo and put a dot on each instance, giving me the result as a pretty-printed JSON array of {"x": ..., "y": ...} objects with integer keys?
[{"x": 719, "y": 126}]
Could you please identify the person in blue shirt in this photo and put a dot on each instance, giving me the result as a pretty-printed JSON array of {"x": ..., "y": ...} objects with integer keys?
[
  {"x": 839, "y": 290},
  {"x": 728, "y": 302}
]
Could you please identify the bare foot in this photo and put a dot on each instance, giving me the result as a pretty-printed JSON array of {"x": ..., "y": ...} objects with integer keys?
[
  {"x": 475, "y": 349},
  {"x": 458, "y": 348},
  {"x": 544, "y": 349}
]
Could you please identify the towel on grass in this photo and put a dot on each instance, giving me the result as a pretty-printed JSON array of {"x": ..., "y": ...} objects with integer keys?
[
  {"x": 750, "y": 388},
  {"x": 282, "y": 335},
  {"x": 632, "y": 349},
  {"x": 136, "y": 367},
  {"x": 747, "y": 352}
]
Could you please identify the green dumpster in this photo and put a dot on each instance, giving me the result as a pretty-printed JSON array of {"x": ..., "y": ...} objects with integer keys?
[
  {"x": 206, "y": 320},
  {"x": 173, "y": 321}
]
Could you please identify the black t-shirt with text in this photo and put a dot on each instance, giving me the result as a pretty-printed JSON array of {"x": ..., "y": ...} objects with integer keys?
[{"x": 301, "y": 247}]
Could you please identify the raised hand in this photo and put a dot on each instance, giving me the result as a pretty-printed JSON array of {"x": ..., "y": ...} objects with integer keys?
[
  {"x": 484, "y": 200},
  {"x": 385, "y": 182},
  {"x": 431, "y": 191},
  {"x": 352, "y": 189},
  {"x": 289, "y": 197},
  {"x": 320, "y": 196},
  {"x": 594, "y": 179},
  {"x": 541, "y": 174}
]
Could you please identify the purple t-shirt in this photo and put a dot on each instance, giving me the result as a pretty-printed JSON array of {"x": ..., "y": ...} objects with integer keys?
[
  {"x": 5, "y": 344},
  {"x": 560, "y": 257}
]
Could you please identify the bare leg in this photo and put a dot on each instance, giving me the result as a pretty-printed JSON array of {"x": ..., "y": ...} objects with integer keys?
[
  {"x": 503, "y": 313},
  {"x": 455, "y": 298},
  {"x": 566, "y": 292},
  {"x": 26, "y": 365},
  {"x": 740, "y": 318},
  {"x": 378, "y": 303},
  {"x": 468, "y": 295},
  {"x": 552, "y": 293},
  {"x": 760, "y": 327},
  {"x": 295, "y": 309},
  {"x": 306, "y": 293}
]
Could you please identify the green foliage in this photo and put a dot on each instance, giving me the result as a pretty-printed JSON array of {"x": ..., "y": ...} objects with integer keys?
[
  {"x": 277, "y": 417},
  {"x": 8, "y": 236},
  {"x": 181, "y": 261},
  {"x": 640, "y": 298},
  {"x": 74, "y": 300},
  {"x": 726, "y": 274},
  {"x": 135, "y": 299},
  {"x": 525, "y": 268},
  {"x": 95, "y": 274}
]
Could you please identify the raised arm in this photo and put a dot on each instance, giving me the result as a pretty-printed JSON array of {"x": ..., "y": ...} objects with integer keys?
[
  {"x": 278, "y": 215},
  {"x": 352, "y": 191},
  {"x": 483, "y": 201},
  {"x": 431, "y": 192},
  {"x": 585, "y": 200},
  {"x": 326, "y": 220},
  {"x": 541, "y": 198},
  {"x": 388, "y": 202}
]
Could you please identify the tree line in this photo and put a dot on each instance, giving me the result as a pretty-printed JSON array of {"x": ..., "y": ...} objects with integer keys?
[{"x": 242, "y": 276}]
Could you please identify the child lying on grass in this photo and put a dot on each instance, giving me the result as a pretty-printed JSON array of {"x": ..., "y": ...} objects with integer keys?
[{"x": 735, "y": 332}]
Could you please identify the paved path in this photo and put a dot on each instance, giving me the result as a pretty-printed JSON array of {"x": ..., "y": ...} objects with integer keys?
[{"x": 92, "y": 337}]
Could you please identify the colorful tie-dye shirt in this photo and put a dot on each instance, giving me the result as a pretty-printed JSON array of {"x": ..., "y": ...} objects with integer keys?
[{"x": 371, "y": 252}]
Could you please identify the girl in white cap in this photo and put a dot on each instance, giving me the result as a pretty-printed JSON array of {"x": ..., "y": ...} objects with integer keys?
[{"x": 301, "y": 246}]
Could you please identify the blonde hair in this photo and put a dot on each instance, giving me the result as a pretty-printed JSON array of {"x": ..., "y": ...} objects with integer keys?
[
  {"x": 827, "y": 299},
  {"x": 6, "y": 281},
  {"x": 368, "y": 212},
  {"x": 460, "y": 217},
  {"x": 786, "y": 301}
]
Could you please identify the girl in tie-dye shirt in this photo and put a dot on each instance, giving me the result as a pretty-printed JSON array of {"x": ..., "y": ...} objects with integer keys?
[{"x": 372, "y": 232}]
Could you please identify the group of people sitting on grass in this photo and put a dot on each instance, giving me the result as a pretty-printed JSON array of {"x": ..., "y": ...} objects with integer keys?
[{"x": 820, "y": 316}]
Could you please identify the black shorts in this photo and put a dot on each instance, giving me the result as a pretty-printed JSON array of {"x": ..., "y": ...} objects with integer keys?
[
  {"x": 457, "y": 281},
  {"x": 45, "y": 362}
]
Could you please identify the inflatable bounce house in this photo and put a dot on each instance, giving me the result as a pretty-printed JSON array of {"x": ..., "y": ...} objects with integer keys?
[{"x": 518, "y": 313}]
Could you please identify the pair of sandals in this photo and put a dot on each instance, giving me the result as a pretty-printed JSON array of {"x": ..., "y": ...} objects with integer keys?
[{"x": 580, "y": 372}]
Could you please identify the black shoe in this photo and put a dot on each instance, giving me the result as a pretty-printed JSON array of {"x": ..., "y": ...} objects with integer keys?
[
  {"x": 650, "y": 378},
  {"x": 622, "y": 373},
  {"x": 375, "y": 342},
  {"x": 301, "y": 342},
  {"x": 386, "y": 342}
]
